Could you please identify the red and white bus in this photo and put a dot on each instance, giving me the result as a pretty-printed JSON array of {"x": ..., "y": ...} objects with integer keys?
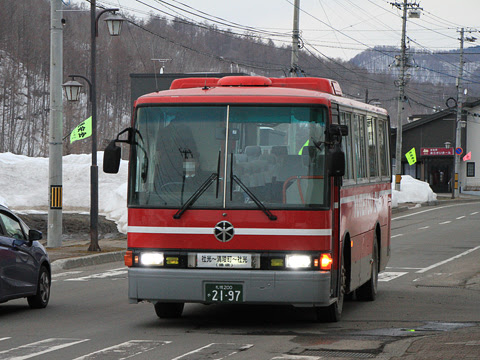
[{"x": 247, "y": 189}]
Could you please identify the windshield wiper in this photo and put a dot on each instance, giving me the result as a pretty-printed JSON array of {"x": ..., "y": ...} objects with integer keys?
[
  {"x": 235, "y": 178},
  {"x": 196, "y": 195},
  {"x": 206, "y": 184}
]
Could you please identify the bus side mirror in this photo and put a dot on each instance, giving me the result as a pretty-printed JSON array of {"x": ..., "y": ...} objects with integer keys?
[
  {"x": 338, "y": 130},
  {"x": 111, "y": 158},
  {"x": 336, "y": 161}
]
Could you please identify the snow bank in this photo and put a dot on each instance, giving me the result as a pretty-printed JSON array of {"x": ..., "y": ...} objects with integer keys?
[
  {"x": 412, "y": 191},
  {"x": 24, "y": 185}
]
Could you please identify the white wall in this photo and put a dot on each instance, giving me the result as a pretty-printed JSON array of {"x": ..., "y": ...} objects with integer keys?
[{"x": 473, "y": 145}]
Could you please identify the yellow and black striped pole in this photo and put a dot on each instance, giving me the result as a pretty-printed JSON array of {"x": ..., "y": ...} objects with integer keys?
[{"x": 56, "y": 196}]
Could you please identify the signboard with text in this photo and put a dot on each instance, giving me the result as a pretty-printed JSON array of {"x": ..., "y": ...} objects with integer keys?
[{"x": 436, "y": 151}]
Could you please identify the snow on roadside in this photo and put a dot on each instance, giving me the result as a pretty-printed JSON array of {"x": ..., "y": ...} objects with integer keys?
[{"x": 24, "y": 186}]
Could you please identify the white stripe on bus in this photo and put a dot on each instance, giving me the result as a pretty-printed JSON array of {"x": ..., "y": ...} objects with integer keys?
[{"x": 238, "y": 231}]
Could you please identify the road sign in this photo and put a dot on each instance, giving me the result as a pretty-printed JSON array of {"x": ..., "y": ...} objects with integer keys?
[{"x": 459, "y": 151}]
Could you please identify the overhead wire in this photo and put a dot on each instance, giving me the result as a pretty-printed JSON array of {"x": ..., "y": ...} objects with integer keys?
[{"x": 227, "y": 23}]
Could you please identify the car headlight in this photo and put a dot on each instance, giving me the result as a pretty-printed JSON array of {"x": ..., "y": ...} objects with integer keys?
[
  {"x": 297, "y": 261},
  {"x": 151, "y": 258}
]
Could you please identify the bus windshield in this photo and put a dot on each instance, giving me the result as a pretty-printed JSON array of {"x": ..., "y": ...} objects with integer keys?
[{"x": 235, "y": 157}]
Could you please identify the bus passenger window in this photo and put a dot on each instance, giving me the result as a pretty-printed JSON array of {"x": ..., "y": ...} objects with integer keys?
[
  {"x": 372, "y": 146},
  {"x": 347, "y": 146},
  {"x": 359, "y": 145}
]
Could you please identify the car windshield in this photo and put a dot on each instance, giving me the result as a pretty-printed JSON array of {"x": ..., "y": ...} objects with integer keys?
[{"x": 269, "y": 157}]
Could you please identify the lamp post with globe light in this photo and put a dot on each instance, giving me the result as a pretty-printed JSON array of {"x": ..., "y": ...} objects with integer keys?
[{"x": 72, "y": 92}]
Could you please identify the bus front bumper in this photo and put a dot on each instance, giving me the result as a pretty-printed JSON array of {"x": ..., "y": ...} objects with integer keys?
[{"x": 298, "y": 288}]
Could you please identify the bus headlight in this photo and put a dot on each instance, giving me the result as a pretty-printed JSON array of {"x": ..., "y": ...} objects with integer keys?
[
  {"x": 297, "y": 261},
  {"x": 151, "y": 259}
]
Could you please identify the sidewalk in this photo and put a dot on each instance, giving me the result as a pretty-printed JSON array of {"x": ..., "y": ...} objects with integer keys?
[{"x": 73, "y": 254}]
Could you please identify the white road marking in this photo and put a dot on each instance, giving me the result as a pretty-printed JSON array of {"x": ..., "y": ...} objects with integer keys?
[
  {"x": 5, "y": 338},
  {"x": 433, "y": 209},
  {"x": 219, "y": 350},
  {"x": 460, "y": 217},
  {"x": 445, "y": 222},
  {"x": 390, "y": 275},
  {"x": 448, "y": 260},
  {"x": 125, "y": 350},
  {"x": 404, "y": 268},
  {"x": 423, "y": 228},
  {"x": 297, "y": 357},
  {"x": 104, "y": 275},
  {"x": 474, "y": 213},
  {"x": 394, "y": 236},
  {"x": 38, "y": 348},
  {"x": 67, "y": 273}
]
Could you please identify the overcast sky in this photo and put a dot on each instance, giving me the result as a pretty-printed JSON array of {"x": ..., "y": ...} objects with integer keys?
[{"x": 334, "y": 28}]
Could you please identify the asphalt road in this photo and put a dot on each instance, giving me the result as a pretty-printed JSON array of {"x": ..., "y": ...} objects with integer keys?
[{"x": 430, "y": 289}]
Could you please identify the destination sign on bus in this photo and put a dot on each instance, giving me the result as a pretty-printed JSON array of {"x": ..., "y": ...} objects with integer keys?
[{"x": 224, "y": 261}]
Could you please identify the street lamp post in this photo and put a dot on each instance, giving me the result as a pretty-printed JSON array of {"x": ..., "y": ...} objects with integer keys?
[{"x": 114, "y": 24}]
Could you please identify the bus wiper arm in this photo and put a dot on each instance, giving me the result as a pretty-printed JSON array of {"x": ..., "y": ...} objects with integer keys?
[
  {"x": 206, "y": 184},
  {"x": 253, "y": 197}
]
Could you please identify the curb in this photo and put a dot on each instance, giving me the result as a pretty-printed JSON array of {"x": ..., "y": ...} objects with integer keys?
[{"x": 96, "y": 259}]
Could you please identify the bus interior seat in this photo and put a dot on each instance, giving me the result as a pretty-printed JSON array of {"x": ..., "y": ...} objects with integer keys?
[
  {"x": 253, "y": 152},
  {"x": 279, "y": 151}
]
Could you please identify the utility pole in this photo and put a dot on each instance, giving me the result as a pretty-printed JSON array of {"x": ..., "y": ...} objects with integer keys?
[
  {"x": 402, "y": 63},
  {"x": 295, "y": 39},
  {"x": 55, "y": 127},
  {"x": 459, "y": 123}
]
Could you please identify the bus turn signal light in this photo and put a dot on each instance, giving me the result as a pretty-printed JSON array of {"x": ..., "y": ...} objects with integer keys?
[
  {"x": 128, "y": 258},
  {"x": 326, "y": 262}
]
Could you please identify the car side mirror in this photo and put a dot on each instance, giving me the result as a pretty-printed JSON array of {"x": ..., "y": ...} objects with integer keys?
[{"x": 34, "y": 235}]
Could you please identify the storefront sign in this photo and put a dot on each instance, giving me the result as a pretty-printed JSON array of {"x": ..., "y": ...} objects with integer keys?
[{"x": 436, "y": 151}]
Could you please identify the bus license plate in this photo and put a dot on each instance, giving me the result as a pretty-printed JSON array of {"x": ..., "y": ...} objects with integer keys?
[{"x": 226, "y": 293}]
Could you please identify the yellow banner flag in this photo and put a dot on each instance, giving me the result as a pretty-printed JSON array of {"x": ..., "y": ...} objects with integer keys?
[
  {"x": 82, "y": 131},
  {"x": 411, "y": 157}
]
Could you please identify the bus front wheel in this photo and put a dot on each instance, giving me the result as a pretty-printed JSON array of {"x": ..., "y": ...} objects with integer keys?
[
  {"x": 368, "y": 291},
  {"x": 333, "y": 313},
  {"x": 169, "y": 310}
]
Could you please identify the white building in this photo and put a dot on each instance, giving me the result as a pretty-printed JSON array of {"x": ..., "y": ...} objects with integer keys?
[{"x": 469, "y": 173}]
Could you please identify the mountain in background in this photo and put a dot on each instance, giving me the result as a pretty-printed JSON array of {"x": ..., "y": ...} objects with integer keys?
[{"x": 424, "y": 66}]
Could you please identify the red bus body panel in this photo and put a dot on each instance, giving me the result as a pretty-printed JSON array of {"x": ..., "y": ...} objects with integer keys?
[{"x": 253, "y": 220}]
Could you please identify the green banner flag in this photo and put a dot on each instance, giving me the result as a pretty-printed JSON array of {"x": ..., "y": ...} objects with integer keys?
[
  {"x": 82, "y": 131},
  {"x": 411, "y": 157}
]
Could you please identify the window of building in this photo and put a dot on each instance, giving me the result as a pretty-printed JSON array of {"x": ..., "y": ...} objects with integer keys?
[{"x": 470, "y": 169}]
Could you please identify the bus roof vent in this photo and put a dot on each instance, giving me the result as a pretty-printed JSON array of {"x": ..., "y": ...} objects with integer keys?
[
  {"x": 310, "y": 83},
  {"x": 244, "y": 81},
  {"x": 193, "y": 82}
]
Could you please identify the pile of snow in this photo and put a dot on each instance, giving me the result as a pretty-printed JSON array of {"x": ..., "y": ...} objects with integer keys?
[
  {"x": 24, "y": 186},
  {"x": 412, "y": 191}
]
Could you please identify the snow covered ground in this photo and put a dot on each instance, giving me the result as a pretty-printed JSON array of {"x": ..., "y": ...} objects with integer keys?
[{"x": 24, "y": 187}]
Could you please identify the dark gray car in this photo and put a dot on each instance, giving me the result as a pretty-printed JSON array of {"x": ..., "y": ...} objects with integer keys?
[{"x": 24, "y": 264}]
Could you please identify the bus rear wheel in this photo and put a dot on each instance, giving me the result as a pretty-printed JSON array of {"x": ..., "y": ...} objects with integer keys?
[{"x": 169, "y": 310}]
